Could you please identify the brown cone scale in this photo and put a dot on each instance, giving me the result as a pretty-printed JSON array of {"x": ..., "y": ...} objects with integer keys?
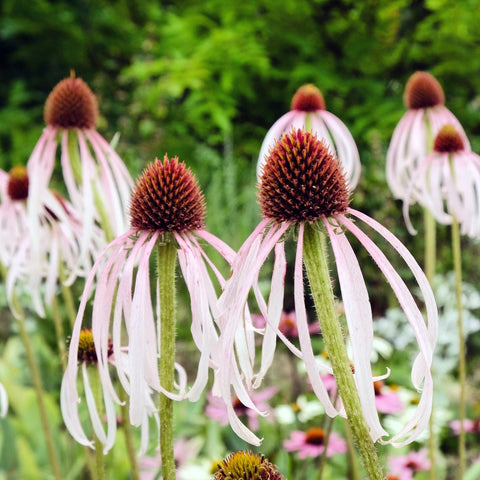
[
  {"x": 302, "y": 180},
  {"x": 308, "y": 98},
  {"x": 18, "y": 183},
  {"x": 245, "y": 465},
  {"x": 448, "y": 140},
  {"x": 71, "y": 104},
  {"x": 423, "y": 91},
  {"x": 167, "y": 198}
]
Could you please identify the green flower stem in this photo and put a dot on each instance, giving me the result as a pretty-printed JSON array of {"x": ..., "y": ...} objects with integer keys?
[
  {"x": 67, "y": 297},
  {"x": 316, "y": 264},
  {"x": 128, "y": 437},
  {"x": 96, "y": 387},
  {"x": 37, "y": 384},
  {"x": 328, "y": 432},
  {"x": 430, "y": 261},
  {"x": 354, "y": 467},
  {"x": 457, "y": 263},
  {"x": 167, "y": 256},
  {"x": 58, "y": 324}
]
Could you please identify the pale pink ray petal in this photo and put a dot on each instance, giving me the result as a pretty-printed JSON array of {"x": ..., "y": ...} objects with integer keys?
[
  {"x": 358, "y": 314},
  {"x": 303, "y": 332},
  {"x": 3, "y": 401}
]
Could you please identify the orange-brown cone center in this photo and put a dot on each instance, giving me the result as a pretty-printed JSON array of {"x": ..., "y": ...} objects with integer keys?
[
  {"x": 71, "y": 104},
  {"x": 167, "y": 198},
  {"x": 315, "y": 436},
  {"x": 308, "y": 98},
  {"x": 448, "y": 140},
  {"x": 423, "y": 91},
  {"x": 302, "y": 180},
  {"x": 18, "y": 183}
]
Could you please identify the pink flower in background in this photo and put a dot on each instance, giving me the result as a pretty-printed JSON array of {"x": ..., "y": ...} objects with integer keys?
[
  {"x": 287, "y": 325},
  {"x": 405, "y": 466},
  {"x": 217, "y": 410},
  {"x": 386, "y": 399},
  {"x": 308, "y": 112},
  {"x": 471, "y": 426},
  {"x": 302, "y": 184},
  {"x": 312, "y": 443},
  {"x": 412, "y": 138}
]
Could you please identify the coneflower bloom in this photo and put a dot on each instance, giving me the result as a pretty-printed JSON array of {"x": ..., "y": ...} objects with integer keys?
[
  {"x": 308, "y": 111},
  {"x": 447, "y": 182},
  {"x": 35, "y": 255},
  {"x": 302, "y": 186},
  {"x": 97, "y": 181},
  {"x": 167, "y": 206},
  {"x": 312, "y": 443},
  {"x": 413, "y": 137},
  {"x": 247, "y": 465}
]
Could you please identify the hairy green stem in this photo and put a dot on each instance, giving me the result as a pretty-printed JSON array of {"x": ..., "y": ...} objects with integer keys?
[
  {"x": 354, "y": 467},
  {"x": 316, "y": 264},
  {"x": 457, "y": 263},
  {"x": 430, "y": 261},
  {"x": 37, "y": 384},
  {"x": 167, "y": 256}
]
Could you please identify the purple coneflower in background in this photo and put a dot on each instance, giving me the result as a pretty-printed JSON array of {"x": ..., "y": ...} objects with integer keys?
[
  {"x": 303, "y": 189},
  {"x": 97, "y": 181},
  {"x": 447, "y": 182},
  {"x": 308, "y": 112},
  {"x": 470, "y": 426},
  {"x": 312, "y": 443},
  {"x": 167, "y": 209},
  {"x": 413, "y": 137},
  {"x": 403, "y": 467},
  {"x": 217, "y": 410},
  {"x": 287, "y": 324}
]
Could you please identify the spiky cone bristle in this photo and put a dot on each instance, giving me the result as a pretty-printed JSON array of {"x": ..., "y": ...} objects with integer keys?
[
  {"x": 448, "y": 140},
  {"x": 302, "y": 180},
  {"x": 18, "y": 183},
  {"x": 167, "y": 198},
  {"x": 71, "y": 104},
  {"x": 245, "y": 465},
  {"x": 308, "y": 98},
  {"x": 423, "y": 91}
]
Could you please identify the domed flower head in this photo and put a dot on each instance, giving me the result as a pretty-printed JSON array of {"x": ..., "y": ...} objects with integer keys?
[
  {"x": 97, "y": 181},
  {"x": 413, "y": 137},
  {"x": 303, "y": 191},
  {"x": 447, "y": 182},
  {"x": 244, "y": 465},
  {"x": 167, "y": 209},
  {"x": 35, "y": 254},
  {"x": 308, "y": 111}
]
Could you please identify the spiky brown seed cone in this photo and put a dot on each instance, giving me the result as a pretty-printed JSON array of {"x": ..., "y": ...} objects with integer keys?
[
  {"x": 308, "y": 98},
  {"x": 71, "y": 104},
  {"x": 423, "y": 91},
  {"x": 448, "y": 140},
  {"x": 245, "y": 465},
  {"x": 86, "y": 348},
  {"x": 301, "y": 180},
  {"x": 18, "y": 183},
  {"x": 167, "y": 198}
]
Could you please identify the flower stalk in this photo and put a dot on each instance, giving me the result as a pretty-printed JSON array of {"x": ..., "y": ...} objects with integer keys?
[
  {"x": 457, "y": 262},
  {"x": 167, "y": 256},
  {"x": 315, "y": 260}
]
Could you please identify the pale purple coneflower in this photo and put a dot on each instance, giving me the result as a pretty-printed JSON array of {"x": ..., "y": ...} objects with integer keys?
[
  {"x": 413, "y": 137},
  {"x": 308, "y": 111},
  {"x": 98, "y": 182},
  {"x": 36, "y": 256},
  {"x": 302, "y": 187},
  {"x": 312, "y": 443},
  {"x": 447, "y": 183},
  {"x": 387, "y": 399},
  {"x": 167, "y": 207}
]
